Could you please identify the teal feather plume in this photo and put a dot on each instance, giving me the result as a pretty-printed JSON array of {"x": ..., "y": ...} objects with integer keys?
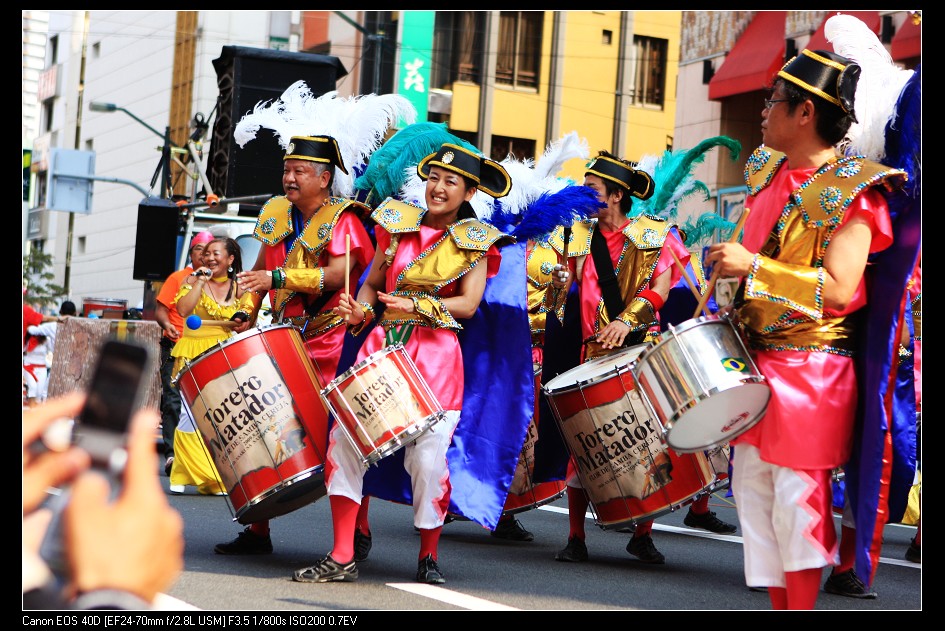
[
  {"x": 393, "y": 162},
  {"x": 702, "y": 230},
  {"x": 672, "y": 175}
]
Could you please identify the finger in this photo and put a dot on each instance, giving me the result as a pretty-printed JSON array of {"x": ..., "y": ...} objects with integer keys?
[
  {"x": 34, "y": 528},
  {"x": 36, "y": 420},
  {"x": 51, "y": 470},
  {"x": 140, "y": 471}
]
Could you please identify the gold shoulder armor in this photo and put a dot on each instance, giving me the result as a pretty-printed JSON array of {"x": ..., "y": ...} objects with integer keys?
[
  {"x": 396, "y": 216},
  {"x": 761, "y": 166},
  {"x": 275, "y": 221},
  {"x": 647, "y": 232},
  {"x": 827, "y": 194},
  {"x": 472, "y": 234}
]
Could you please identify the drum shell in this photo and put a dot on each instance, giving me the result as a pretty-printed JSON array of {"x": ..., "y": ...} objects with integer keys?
[
  {"x": 382, "y": 403},
  {"x": 246, "y": 394},
  {"x": 616, "y": 443},
  {"x": 524, "y": 493},
  {"x": 702, "y": 383}
]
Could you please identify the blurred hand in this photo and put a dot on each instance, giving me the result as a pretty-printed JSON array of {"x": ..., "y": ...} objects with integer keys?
[
  {"x": 135, "y": 543},
  {"x": 50, "y": 468}
]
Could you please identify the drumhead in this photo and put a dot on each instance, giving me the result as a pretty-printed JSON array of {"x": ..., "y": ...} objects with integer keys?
[
  {"x": 593, "y": 370},
  {"x": 367, "y": 361},
  {"x": 256, "y": 330}
]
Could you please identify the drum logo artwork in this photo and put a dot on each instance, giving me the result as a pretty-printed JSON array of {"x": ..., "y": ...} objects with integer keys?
[
  {"x": 241, "y": 408},
  {"x": 618, "y": 450},
  {"x": 382, "y": 403}
]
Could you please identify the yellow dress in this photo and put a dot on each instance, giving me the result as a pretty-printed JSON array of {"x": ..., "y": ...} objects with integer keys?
[{"x": 193, "y": 465}]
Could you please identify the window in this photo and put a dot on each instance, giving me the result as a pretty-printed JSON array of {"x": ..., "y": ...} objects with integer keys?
[
  {"x": 48, "y": 115},
  {"x": 52, "y": 57},
  {"x": 649, "y": 71},
  {"x": 519, "y": 148},
  {"x": 519, "y": 48},
  {"x": 458, "y": 38}
]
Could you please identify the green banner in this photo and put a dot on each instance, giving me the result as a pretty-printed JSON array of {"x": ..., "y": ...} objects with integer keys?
[{"x": 416, "y": 57}]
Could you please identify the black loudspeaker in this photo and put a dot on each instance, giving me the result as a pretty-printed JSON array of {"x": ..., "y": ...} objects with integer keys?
[
  {"x": 246, "y": 76},
  {"x": 156, "y": 239}
]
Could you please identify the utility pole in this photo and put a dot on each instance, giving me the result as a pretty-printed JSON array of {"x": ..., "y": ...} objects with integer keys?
[{"x": 377, "y": 40}]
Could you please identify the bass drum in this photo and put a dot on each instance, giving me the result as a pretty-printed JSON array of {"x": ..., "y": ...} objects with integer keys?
[{"x": 254, "y": 399}]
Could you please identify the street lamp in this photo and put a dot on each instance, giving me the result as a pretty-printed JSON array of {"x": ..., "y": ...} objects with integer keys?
[{"x": 97, "y": 106}]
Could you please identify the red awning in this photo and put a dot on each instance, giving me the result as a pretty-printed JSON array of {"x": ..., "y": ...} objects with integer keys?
[
  {"x": 754, "y": 60},
  {"x": 907, "y": 42},
  {"x": 818, "y": 41}
]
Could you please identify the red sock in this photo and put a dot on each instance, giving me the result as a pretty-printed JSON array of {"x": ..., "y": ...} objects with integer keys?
[
  {"x": 778, "y": 596},
  {"x": 344, "y": 512},
  {"x": 577, "y": 510},
  {"x": 429, "y": 541},
  {"x": 802, "y": 588},
  {"x": 643, "y": 529},
  {"x": 847, "y": 549},
  {"x": 362, "y": 521},
  {"x": 700, "y": 506},
  {"x": 260, "y": 528}
]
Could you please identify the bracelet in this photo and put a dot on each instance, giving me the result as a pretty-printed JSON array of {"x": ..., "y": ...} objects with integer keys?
[
  {"x": 278, "y": 278},
  {"x": 368, "y": 311}
]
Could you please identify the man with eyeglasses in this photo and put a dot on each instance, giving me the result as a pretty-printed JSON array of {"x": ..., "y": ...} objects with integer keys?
[{"x": 815, "y": 218}]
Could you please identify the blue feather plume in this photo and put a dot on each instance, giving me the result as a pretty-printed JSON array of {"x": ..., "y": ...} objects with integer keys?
[
  {"x": 550, "y": 210},
  {"x": 390, "y": 165},
  {"x": 672, "y": 177}
]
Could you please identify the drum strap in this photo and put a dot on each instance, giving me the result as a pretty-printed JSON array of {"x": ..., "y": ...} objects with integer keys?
[
  {"x": 398, "y": 335},
  {"x": 605, "y": 275},
  {"x": 314, "y": 308}
]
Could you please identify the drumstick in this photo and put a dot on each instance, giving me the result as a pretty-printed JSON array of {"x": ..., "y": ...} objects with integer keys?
[
  {"x": 695, "y": 292},
  {"x": 715, "y": 272},
  {"x": 347, "y": 267},
  {"x": 226, "y": 324}
]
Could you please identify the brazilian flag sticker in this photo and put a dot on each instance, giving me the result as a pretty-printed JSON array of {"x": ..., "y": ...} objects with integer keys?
[{"x": 735, "y": 364}]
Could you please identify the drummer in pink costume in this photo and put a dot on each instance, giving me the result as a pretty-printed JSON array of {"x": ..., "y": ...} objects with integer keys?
[
  {"x": 643, "y": 271},
  {"x": 302, "y": 263},
  {"x": 430, "y": 269},
  {"x": 814, "y": 219}
]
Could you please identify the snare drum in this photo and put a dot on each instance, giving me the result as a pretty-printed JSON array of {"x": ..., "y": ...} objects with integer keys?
[
  {"x": 382, "y": 403},
  {"x": 702, "y": 383},
  {"x": 628, "y": 472},
  {"x": 254, "y": 398}
]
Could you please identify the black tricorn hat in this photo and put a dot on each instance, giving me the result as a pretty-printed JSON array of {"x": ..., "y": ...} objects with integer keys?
[
  {"x": 830, "y": 76},
  {"x": 490, "y": 177},
  {"x": 315, "y": 149},
  {"x": 638, "y": 183}
]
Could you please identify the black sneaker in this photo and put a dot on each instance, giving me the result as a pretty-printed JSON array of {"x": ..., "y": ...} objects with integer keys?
[
  {"x": 644, "y": 549},
  {"x": 513, "y": 530},
  {"x": 574, "y": 552},
  {"x": 847, "y": 584},
  {"x": 247, "y": 542},
  {"x": 758, "y": 588},
  {"x": 327, "y": 570},
  {"x": 914, "y": 552},
  {"x": 167, "y": 465},
  {"x": 429, "y": 572},
  {"x": 362, "y": 546},
  {"x": 708, "y": 521}
]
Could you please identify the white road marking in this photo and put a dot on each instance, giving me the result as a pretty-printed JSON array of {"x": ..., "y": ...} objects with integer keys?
[{"x": 450, "y": 597}]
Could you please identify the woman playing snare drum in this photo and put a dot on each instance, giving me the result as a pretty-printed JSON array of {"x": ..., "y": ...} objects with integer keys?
[{"x": 430, "y": 269}]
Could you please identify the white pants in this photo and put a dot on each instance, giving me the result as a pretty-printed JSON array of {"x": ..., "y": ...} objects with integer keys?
[
  {"x": 424, "y": 460},
  {"x": 777, "y": 523}
]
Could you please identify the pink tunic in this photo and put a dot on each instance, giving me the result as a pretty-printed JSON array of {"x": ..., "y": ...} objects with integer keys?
[
  {"x": 436, "y": 352},
  {"x": 810, "y": 417}
]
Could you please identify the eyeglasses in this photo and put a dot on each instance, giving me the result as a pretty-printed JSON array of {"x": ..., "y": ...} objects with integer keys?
[{"x": 770, "y": 102}]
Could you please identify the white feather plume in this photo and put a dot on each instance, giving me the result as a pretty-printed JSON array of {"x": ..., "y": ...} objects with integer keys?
[
  {"x": 359, "y": 123},
  {"x": 877, "y": 89},
  {"x": 530, "y": 180}
]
